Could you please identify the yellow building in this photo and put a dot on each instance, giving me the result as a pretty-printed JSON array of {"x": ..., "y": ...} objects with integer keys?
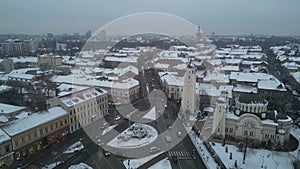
[
  {"x": 49, "y": 60},
  {"x": 31, "y": 134},
  {"x": 84, "y": 106},
  {"x": 6, "y": 152}
]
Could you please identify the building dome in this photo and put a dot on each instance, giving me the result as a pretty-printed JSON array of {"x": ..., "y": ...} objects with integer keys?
[{"x": 251, "y": 103}]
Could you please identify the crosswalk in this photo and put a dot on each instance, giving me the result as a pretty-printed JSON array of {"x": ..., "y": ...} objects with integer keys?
[{"x": 178, "y": 154}]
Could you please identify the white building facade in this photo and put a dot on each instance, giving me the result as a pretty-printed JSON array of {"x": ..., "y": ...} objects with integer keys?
[{"x": 251, "y": 121}]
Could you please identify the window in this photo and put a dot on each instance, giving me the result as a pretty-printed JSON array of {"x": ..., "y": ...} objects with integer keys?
[
  {"x": 23, "y": 140},
  {"x": 266, "y": 136},
  {"x": 7, "y": 149},
  {"x": 226, "y": 129},
  {"x": 245, "y": 133},
  {"x": 66, "y": 121},
  {"x": 41, "y": 132},
  {"x": 56, "y": 125},
  {"x": 251, "y": 133}
]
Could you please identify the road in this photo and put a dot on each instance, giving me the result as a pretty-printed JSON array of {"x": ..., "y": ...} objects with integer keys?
[{"x": 180, "y": 147}]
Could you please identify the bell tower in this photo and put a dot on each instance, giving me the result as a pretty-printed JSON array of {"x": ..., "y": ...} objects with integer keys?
[{"x": 188, "y": 103}]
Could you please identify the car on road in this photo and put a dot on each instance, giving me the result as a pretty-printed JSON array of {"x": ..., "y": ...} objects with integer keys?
[
  {"x": 106, "y": 153},
  {"x": 118, "y": 118},
  {"x": 104, "y": 125},
  {"x": 179, "y": 134},
  {"x": 168, "y": 138},
  {"x": 154, "y": 149}
]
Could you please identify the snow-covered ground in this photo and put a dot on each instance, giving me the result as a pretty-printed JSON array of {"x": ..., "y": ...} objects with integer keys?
[
  {"x": 80, "y": 166},
  {"x": 163, "y": 164},
  {"x": 108, "y": 129},
  {"x": 134, "y": 142},
  {"x": 74, "y": 147},
  {"x": 255, "y": 158},
  {"x": 151, "y": 114},
  {"x": 135, "y": 163}
]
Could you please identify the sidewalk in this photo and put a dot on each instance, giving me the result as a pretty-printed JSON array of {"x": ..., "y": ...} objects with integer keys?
[
  {"x": 48, "y": 155},
  {"x": 207, "y": 159}
]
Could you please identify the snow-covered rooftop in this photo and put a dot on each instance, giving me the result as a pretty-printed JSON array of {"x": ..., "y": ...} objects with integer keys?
[
  {"x": 245, "y": 89},
  {"x": 7, "y": 108},
  {"x": 18, "y": 126},
  {"x": 216, "y": 76},
  {"x": 208, "y": 89},
  {"x": 91, "y": 81},
  {"x": 3, "y": 136},
  {"x": 4, "y": 88},
  {"x": 250, "y": 77},
  {"x": 3, "y": 119},
  {"x": 81, "y": 96},
  {"x": 172, "y": 80},
  {"x": 24, "y": 59},
  {"x": 296, "y": 76},
  {"x": 271, "y": 84},
  {"x": 131, "y": 59},
  {"x": 21, "y": 76}
]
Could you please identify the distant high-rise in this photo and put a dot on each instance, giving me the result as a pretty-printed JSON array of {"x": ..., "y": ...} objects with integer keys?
[
  {"x": 17, "y": 47},
  {"x": 199, "y": 32},
  {"x": 50, "y": 35},
  {"x": 88, "y": 34},
  {"x": 102, "y": 35}
]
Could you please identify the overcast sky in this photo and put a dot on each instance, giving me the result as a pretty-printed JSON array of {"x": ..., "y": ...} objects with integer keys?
[{"x": 279, "y": 17}]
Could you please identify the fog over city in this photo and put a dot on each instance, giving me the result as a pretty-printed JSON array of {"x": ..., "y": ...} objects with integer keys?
[
  {"x": 223, "y": 17},
  {"x": 156, "y": 84}
]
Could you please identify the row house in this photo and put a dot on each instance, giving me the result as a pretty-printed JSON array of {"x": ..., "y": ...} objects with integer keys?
[{"x": 37, "y": 131}]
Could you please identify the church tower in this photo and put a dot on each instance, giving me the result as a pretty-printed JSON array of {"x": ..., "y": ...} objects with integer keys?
[
  {"x": 218, "y": 126},
  {"x": 188, "y": 103},
  {"x": 199, "y": 32}
]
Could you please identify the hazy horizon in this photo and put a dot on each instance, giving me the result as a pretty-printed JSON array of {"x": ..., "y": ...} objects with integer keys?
[{"x": 224, "y": 17}]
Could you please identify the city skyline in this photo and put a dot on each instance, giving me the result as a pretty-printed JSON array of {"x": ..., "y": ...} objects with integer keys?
[{"x": 222, "y": 17}]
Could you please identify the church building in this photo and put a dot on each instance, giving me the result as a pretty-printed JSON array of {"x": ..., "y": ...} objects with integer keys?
[{"x": 250, "y": 120}]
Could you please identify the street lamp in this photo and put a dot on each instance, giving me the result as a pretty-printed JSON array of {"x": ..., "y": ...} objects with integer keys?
[{"x": 245, "y": 151}]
